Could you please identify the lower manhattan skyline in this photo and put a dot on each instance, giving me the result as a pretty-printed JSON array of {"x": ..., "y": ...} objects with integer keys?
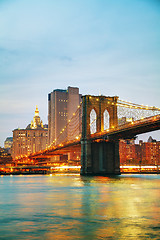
[{"x": 101, "y": 47}]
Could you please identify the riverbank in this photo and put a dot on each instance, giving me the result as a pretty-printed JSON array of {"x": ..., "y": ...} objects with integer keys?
[{"x": 68, "y": 172}]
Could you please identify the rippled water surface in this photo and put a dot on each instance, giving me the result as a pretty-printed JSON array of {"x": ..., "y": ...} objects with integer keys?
[{"x": 76, "y": 207}]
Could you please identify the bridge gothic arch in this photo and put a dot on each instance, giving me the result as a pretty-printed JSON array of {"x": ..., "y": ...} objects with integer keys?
[
  {"x": 106, "y": 120},
  {"x": 101, "y": 105},
  {"x": 93, "y": 121}
]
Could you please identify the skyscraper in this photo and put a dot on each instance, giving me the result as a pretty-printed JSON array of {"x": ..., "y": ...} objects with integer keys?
[{"x": 61, "y": 106}]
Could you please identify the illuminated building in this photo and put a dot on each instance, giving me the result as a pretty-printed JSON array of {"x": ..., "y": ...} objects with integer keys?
[
  {"x": 32, "y": 139},
  {"x": 5, "y": 157},
  {"x": 150, "y": 152},
  {"x": 130, "y": 153},
  {"x": 37, "y": 122},
  {"x": 124, "y": 120},
  {"x": 144, "y": 153},
  {"x": 61, "y": 106}
]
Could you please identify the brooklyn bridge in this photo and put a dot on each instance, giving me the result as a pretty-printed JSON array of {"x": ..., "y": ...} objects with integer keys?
[{"x": 93, "y": 133}]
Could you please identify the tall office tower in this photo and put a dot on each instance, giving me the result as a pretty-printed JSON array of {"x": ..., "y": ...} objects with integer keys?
[{"x": 61, "y": 106}]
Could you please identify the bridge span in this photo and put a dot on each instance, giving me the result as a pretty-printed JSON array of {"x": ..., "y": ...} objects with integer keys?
[{"x": 104, "y": 121}]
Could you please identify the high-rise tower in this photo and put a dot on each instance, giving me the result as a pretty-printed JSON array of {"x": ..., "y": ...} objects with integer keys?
[{"x": 61, "y": 106}]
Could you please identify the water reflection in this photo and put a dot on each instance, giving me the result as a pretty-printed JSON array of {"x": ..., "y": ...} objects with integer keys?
[{"x": 76, "y": 207}]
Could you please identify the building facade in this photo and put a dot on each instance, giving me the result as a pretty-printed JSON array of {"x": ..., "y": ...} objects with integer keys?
[
  {"x": 144, "y": 153},
  {"x": 61, "y": 106},
  {"x": 130, "y": 153},
  {"x": 150, "y": 153},
  {"x": 32, "y": 139}
]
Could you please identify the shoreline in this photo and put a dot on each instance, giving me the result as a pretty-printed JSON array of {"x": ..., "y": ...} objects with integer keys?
[{"x": 74, "y": 172}]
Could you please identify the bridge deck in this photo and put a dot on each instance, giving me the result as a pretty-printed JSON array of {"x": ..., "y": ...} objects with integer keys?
[{"x": 126, "y": 131}]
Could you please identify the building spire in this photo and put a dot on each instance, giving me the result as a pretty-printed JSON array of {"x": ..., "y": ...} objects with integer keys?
[
  {"x": 36, "y": 112},
  {"x": 36, "y": 122}
]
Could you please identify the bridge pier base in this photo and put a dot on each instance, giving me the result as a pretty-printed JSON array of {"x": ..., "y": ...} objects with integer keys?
[{"x": 100, "y": 158}]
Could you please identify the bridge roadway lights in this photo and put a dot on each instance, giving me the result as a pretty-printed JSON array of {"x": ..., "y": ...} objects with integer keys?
[{"x": 100, "y": 158}]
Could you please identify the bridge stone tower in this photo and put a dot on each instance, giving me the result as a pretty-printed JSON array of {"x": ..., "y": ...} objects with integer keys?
[{"x": 99, "y": 157}]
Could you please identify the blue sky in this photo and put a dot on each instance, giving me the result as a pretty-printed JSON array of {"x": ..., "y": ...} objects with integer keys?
[{"x": 100, "y": 46}]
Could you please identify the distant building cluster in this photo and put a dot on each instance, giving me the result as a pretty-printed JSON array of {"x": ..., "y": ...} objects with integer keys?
[
  {"x": 144, "y": 153},
  {"x": 36, "y": 136}
]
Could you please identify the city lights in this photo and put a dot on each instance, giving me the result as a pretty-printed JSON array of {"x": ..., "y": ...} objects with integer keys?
[{"x": 70, "y": 134}]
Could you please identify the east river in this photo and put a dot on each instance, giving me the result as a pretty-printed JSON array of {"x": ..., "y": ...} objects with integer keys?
[{"x": 75, "y": 207}]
